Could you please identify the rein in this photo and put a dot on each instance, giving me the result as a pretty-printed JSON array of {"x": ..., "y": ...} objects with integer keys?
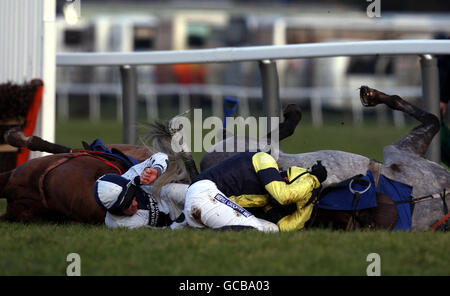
[
  {"x": 442, "y": 196},
  {"x": 375, "y": 168},
  {"x": 446, "y": 213},
  {"x": 67, "y": 158},
  {"x": 81, "y": 153}
]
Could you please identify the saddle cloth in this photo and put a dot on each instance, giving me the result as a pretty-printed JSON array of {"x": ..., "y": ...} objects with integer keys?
[
  {"x": 97, "y": 145},
  {"x": 340, "y": 197}
]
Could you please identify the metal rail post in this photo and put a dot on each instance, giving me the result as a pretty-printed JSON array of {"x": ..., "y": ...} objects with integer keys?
[
  {"x": 270, "y": 90},
  {"x": 129, "y": 103},
  {"x": 430, "y": 90}
]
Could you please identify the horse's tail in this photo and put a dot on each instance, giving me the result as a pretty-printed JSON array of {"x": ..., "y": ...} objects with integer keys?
[
  {"x": 161, "y": 135},
  {"x": 4, "y": 179}
]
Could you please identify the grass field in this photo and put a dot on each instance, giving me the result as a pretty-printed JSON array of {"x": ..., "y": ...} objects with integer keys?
[{"x": 42, "y": 249}]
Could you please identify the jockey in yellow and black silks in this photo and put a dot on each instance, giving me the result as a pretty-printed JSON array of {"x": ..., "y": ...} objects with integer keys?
[{"x": 249, "y": 184}]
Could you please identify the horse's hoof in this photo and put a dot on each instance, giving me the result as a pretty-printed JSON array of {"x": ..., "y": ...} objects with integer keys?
[
  {"x": 292, "y": 112},
  {"x": 369, "y": 96},
  {"x": 15, "y": 137}
]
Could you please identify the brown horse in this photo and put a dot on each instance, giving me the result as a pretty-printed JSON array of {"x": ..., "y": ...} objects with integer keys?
[{"x": 59, "y": 187}]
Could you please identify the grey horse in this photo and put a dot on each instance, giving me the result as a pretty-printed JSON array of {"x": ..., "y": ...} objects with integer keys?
[{"x": 404, "y": 160}]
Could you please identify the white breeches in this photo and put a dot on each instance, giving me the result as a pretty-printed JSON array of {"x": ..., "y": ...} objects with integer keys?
[{"x": 207, "y": 206}]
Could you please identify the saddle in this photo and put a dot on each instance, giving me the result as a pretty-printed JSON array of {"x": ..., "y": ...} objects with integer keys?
[
  {"x": 363, "y": 202},
  {"x": 382, "y": 216},
  {"x": 111, "y": 154}
]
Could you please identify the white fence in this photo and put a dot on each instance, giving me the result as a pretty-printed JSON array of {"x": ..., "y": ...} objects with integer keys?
[
  {"x": 257, "y": 53},
  {"x": 149, "y": 93}
]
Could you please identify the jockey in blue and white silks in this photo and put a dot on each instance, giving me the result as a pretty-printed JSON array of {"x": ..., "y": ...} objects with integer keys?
[{"x": 128, "y": 199}]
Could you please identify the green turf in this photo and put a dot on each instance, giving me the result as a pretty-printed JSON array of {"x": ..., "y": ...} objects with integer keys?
[{"x": 43, "y": 249}]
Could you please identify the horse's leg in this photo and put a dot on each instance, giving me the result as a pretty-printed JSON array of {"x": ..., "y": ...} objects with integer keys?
[
  {"x": 17, "y": 138},
  {"x": 23, "y": 210},
  {"x": 24, "y": 202},
  {"x": 292, "y": 116},
  {"x": 418, "y": 139},
  {"x": 4, "y": 179}
]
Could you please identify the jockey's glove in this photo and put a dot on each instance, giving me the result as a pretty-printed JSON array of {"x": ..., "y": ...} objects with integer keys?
[{"x": 319, "y": 171}]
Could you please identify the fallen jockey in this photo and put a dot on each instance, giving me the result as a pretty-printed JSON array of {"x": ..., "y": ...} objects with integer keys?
[
  {"x": 248, "y": 190},
  {"x": 128, "y": 198}
]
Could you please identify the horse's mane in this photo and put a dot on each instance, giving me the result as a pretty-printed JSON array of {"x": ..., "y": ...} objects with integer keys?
[{"x": 160, "y": 138}]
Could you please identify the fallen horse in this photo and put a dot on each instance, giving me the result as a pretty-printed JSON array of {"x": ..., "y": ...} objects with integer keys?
[
  {"x": 404, "y": 162},
  {"x": 32, "y": 197},
  {"x": 59, "y": 187}
]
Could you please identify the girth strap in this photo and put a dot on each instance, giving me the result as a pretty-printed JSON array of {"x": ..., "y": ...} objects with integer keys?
[
  {"x": 44, "y": 174},
  {"x": 63, "y": 160},
  {"x": 414, "y": 200}
]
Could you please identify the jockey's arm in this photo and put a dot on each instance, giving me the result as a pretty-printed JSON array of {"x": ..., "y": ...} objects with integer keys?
[
  {"x": 157, "y": 161},
  {"x": 297, "y": 219},
  {"x": 137, "y": 220},
  {"x": 267, "y": 170}
]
